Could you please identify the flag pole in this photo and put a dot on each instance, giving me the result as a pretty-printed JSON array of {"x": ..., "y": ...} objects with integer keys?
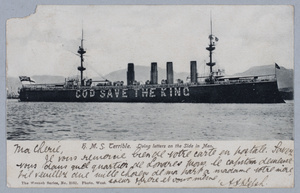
[
  {"x": 275, "y": 71},
  {"x": 276, "y": 66}
]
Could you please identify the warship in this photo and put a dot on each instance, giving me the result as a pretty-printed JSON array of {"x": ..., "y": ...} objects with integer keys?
[{"x": 213, "y": 88}]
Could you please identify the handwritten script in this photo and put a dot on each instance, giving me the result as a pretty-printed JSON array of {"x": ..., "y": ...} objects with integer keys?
[{"x": 228, "y": 164}]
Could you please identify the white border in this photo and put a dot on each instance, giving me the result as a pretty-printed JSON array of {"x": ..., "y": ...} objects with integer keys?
[{"x": 22, "y": 8}]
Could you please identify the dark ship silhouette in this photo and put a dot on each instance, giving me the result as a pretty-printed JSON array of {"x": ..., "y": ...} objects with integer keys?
[{"x": 214, "y": 88}]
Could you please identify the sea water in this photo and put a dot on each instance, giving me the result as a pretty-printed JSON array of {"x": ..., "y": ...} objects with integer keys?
[{"x": 148, "y": 121}]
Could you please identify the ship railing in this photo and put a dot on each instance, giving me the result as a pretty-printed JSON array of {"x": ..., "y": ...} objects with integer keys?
[
  {"x": 246, "y": 79},
  {"x": 83, "y": 87},
  {"x": 143, "y": 86},
  {"x": 53, "y": 87},
  {"x": 43, "y": 86},
  {"x": 237, "y": 80},
  {"x": 108, "y": 87}
]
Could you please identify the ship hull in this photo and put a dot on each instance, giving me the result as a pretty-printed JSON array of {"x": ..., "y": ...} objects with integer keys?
[{"x": 253, "y": 92}]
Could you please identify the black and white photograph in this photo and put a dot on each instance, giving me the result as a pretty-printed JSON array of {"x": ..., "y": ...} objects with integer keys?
[
  {"x": 150, "y": 96},
  {"x": 151, "y": 73}
]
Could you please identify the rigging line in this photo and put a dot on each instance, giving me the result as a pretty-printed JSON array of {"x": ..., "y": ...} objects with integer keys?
[
  {"x": 97, "y": 72},
  {"x": 204, "y": 68},
  {"x": 71, "y": 73}
]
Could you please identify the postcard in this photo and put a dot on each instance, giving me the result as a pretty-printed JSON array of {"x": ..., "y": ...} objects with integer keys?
[{"x": 151, "y": 96}]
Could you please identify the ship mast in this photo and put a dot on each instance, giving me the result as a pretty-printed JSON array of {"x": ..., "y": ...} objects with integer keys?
[
  {"x": 81, "y": 51},
  {"x": 211, "y": 47}
]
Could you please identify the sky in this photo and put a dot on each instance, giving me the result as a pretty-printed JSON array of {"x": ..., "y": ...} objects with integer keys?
[{"x": 46, "y": 42}]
